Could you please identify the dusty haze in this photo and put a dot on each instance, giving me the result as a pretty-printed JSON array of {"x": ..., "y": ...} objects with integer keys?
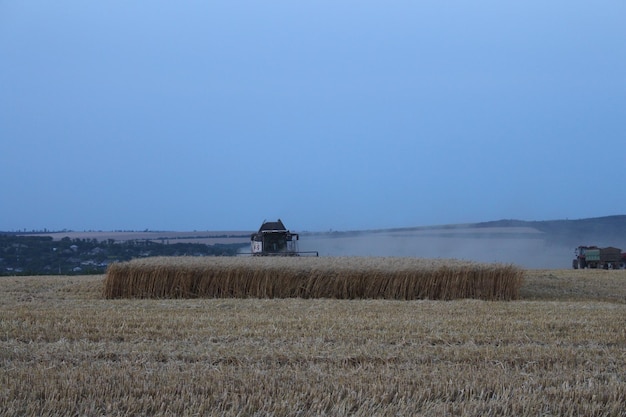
[
  {"x": 524, "y": 246},
  {"x": 529, "y": 250}
]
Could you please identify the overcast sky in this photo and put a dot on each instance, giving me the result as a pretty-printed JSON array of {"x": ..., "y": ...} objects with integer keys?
[{"x": 216, "y": 115}]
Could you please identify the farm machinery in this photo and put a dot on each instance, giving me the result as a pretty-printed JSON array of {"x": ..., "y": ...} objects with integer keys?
[
  {"x": 595, "y": 257},
  {"x": 273, "y": 239}
]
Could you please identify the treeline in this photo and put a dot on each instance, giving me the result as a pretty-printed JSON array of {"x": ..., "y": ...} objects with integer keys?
[{"x": 41, "y": 255}]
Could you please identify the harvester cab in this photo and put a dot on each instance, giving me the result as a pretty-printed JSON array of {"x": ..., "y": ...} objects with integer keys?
[{"x": 273, "y": 239}]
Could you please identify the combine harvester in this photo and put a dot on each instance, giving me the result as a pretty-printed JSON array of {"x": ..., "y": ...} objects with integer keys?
[
  {"x": 273, "y": 239},
  {"x": 598, "y": 258}
]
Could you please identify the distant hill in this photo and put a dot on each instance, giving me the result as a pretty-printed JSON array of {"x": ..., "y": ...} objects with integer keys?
[{"x": 602, "y": 231}]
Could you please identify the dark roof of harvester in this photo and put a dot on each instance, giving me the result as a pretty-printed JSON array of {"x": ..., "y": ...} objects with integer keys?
[{"x": 277, "y": 225}]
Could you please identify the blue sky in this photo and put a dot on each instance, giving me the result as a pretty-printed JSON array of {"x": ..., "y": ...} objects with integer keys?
[{"x": 211, "y": 115}]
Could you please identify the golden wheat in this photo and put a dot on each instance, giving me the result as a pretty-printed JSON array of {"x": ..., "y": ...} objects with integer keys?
[{"x": 287, "y": 277}]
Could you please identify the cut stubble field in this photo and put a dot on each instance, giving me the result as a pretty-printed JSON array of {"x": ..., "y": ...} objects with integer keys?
[{"x": 558, "y": 350}]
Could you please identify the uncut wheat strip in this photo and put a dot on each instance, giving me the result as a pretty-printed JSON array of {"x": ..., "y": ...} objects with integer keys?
[
  {"x": 280, "y": 283},
  {"x": 230, "y": 280},
  {"x": 511, "y": 282},
  {"x": 112, "y": 285},
  {"x": 443, "y": 283},
  {"x": 116, "y": 281},
  {"x": 324, "y": 283},
  {"x": 209, "y": 285},
  {"x": 358, "y": 278},
  {"x": 289, "y": 277},
  {"x": 218, "y": 282}
]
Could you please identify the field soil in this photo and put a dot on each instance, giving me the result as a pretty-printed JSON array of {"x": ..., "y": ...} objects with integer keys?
[{"x": 560, "y": 350}]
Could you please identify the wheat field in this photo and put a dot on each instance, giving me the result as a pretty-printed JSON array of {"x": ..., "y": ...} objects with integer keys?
[
  {"x": 558, "y": 350},
  {"x": 327, "y": 277}
]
